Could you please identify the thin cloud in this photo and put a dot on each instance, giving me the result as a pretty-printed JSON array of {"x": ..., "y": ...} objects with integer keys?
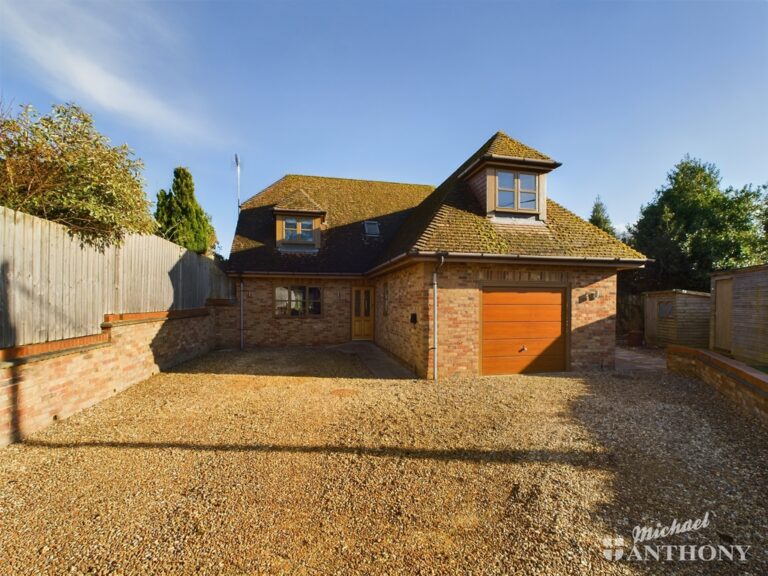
[{"x": 81, "y": 54}]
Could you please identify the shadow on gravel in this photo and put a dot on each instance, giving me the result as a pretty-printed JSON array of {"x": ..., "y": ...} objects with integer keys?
[
  {"x": 573, "y": 458},
  {"x": 301, "y": 362},
  {"x": 677, "y": 450}
]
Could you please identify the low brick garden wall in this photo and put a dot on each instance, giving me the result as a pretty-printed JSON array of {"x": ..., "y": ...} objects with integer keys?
[
  {"x": 742, "y": 384},
  {"x": 41, "y": 383}
]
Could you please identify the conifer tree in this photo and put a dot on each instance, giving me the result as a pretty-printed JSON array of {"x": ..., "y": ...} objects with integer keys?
[
  {"x": 180, "y": 217},
  {"x": 600, "y": 217}
]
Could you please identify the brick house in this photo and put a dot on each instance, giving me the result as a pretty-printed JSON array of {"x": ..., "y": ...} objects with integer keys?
[{"x": 485, "y": 269}]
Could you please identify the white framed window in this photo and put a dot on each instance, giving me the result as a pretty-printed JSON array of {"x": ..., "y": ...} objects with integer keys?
[{"x": 517, "y": 191}]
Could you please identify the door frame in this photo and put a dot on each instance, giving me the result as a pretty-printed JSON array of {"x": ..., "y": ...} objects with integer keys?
[
  {"x": 373, "y": 312},
  {"x": 564, "y": 289}
]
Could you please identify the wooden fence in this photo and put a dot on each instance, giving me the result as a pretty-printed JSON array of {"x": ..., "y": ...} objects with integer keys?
[{"x": 54, "y": 288}]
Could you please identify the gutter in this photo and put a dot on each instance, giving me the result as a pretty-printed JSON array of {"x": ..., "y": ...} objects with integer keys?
[
  {"x": 418, "y": 255},
  {"x": 486, "y": 256},
  {"x": 552, "y": 164},
  {"x": 266, "y": 274}
]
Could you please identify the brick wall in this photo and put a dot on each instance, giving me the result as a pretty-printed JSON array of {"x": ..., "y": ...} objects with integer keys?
[
  {"x": 225, "y": 324},
  {"x": 37, "y": 390},
  {"x": 263, "y": 328},
  {"x": 592, "y": 304},
  {"x": 593, "y": 322},
  {"x": 743, "y": 385},
  {"x": 406, "y": 290}
]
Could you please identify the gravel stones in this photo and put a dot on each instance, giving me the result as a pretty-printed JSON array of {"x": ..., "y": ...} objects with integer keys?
[{"x": 293, "y": 461}]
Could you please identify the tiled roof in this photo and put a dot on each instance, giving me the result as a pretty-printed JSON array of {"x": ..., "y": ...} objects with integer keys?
[
  {"x": 451, "y": 220},
  {"x": 413, "y": 218},
  {"x": 460, "y": 226},
  {"x": 299, "y": 201},
  {"x": 502, "y": 145},
  {"x": 347, "y": 203}
]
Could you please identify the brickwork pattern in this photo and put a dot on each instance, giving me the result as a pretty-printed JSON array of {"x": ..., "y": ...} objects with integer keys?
[
  {"x": 746, "y": 387},
  {"x": 592, "y": 312},
  {"x": 40, "y": 390},
  {"x": 406, "y": 290},
  {"x": 263, "y": 328}
]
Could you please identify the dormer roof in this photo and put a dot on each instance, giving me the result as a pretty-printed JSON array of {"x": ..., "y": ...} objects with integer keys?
[
  {"x": 502, "y": 148},
  {"x": 501, "y": 145},
  {"x": 299, "y": 201}
]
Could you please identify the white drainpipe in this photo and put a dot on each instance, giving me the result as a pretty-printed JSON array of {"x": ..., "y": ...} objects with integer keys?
[{"x": 434, "y": 316}]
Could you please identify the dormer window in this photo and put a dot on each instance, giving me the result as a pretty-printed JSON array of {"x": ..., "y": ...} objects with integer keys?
[
  {"x": 516, "y": 191},
  {"x": 298, "y": 230},
  {"x": 371, "y": 228}
]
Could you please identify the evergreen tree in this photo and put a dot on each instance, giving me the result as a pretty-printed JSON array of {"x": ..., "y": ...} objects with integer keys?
[
  {"x": 180, "y": 217},
  {"x": 694, "y": 226},
  {"x": 600, "y": 217}
]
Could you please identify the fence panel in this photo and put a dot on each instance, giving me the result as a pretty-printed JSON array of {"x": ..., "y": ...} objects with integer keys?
[{"x": 54, "y": 288}]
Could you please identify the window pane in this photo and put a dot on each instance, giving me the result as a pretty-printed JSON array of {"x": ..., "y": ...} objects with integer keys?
[
  {"x": 506, "y": 199},
  {"x": 528, "y": 200},
  {"x": 367, "y": 303},
  {"x": 357, "y": 303},
  {"x": 506, "y": 180},
  {"x": 282, "y": 307},
  {"x": 281, "y": 301},
  {"x": 528, "y": 182},
  {"x": 371, "y": 228},
  {"x": 297, "y": 300},
  {"x": 291, "y": 229},
  {"x": 313, "y": 294},
  {"x": 306, "y": 230},
  {"x": 314, "y": 308}
]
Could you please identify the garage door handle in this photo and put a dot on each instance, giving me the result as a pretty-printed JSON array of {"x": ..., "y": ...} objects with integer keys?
[{"x": 524, "y": 348}]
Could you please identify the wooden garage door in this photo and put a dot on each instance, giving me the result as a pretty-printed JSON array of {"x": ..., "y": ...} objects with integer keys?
[{"x": 523, "y": 331}]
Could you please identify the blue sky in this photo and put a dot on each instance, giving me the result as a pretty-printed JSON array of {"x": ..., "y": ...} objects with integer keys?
[{"x": 404, "y": 90}]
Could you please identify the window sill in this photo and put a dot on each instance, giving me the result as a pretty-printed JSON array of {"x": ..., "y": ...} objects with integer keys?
[{"x": 298, "y": 248}]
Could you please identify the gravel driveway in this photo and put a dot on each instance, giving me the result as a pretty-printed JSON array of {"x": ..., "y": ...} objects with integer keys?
[{"x": 295, "y": 462}]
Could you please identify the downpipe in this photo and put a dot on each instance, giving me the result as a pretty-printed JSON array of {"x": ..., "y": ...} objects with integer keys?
[
  {"x": 441, "y": 260},
  {"x": 242, "y": 315}
]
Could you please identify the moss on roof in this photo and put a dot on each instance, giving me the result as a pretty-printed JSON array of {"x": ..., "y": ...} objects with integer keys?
[
  {"x": 452, "y": 220},
  {"x": 299, "y": 201},
  {"x": 502, "y": 145},
  {"x": 413, "y": 218},
  {"x": 460, "y": 226},
  {"x": 347, "y": 203}
]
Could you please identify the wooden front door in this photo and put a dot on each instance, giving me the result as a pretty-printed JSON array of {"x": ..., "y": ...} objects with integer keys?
[
  {"x": 362, "y": 313},
  {"x": 523, "y": 331},
  {"x": 723, "y": 302}
]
